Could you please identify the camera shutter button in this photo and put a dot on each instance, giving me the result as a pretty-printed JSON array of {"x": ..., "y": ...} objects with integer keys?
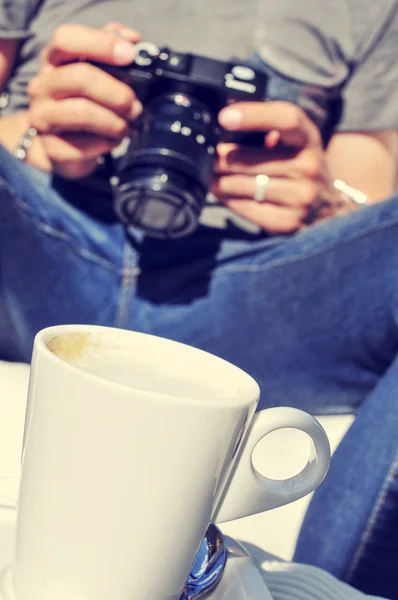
[{"x": 147, "y": 52}]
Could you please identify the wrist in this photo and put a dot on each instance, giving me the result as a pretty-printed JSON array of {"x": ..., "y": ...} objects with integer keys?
[
  {"x": 12, "y": 129},
  {"x": 338, "y": 199},
  {"x": 24, "y": 144}
]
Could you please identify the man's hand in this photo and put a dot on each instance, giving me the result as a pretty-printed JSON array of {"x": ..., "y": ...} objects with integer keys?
[
  {"x": 300, "y": 189},
  {"x": 79, "y": 111}
]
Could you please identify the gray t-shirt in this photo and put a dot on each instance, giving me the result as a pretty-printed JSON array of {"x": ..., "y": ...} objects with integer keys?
[{"x": 321, "y": 43}]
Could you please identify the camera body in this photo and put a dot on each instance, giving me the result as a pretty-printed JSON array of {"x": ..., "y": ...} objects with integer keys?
[{"x": 162, "y": 180}]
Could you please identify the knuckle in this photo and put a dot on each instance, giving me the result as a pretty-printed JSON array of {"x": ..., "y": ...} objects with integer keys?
[
  {"x": 37, "y": 118},
  {"x": 64, "y": 148},
  {"x": 53, "y": 148},
  {"x": 79, "y": 111},
  {"x": 293, "y": 221},
  {"x": 120, "y": 128},
  {"x": 38, "y": 85},
  {"x": 125, "y": 99},
  {"x": 316, "y": 136},
  {"x": 81, "y": 75},
  {"x": 110, "y": 41},
  {"x": 61, "y": 35},
  {"x": 282, "y": 226},
  {"x": 58, "y": 37},
  {"x": 308, "y": 193},
  {"x": 43, "y": 55},
  {"x": 292, "y": 224},
  {"x": 33, "y": 88},
  {"x": 113, "y": 25},
  {"x": 289, "y": 227},
  {"x": 311, "y": 166},
  {"x": 293, "y": 117}
]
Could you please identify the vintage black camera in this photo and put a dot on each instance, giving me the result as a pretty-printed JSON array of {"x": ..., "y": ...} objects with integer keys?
[{"x": 162, "y": 180}]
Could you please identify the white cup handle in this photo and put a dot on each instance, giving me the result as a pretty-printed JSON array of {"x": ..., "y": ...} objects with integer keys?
[{"x": 249, "y": 492}]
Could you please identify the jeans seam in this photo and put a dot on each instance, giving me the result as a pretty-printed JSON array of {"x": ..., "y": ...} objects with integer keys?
[
  {"x": 64, "y": 237},
  {"x": 357, "y": 555},
  {"x": 130, "y": 272},
  {"x": 227, "y": 270}
]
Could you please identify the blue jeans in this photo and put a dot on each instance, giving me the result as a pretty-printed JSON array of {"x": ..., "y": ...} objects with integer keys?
[{"x": 312, "y": 316}]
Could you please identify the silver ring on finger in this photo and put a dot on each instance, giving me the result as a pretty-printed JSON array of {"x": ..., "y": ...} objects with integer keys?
[{"x": 260, "y": 192}]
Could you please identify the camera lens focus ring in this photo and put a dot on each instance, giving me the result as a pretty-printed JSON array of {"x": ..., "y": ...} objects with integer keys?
[{"x": 168, "y": 168}]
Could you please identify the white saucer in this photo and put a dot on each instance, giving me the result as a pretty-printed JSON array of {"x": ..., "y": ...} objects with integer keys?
[{"x": 241, "y": 579}]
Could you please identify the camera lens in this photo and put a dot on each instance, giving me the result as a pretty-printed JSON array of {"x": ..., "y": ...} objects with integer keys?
[{"x": 165, "y": 175}]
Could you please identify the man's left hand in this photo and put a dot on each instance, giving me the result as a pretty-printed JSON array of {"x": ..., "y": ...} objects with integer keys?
[{"x": 299, "y": 189}]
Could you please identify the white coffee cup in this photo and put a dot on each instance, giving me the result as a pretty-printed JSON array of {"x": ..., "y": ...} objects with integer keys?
[{"x": 133, "y": 444}]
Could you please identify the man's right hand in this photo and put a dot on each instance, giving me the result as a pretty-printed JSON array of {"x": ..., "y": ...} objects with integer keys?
[{"x": 80, "y": 111}]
